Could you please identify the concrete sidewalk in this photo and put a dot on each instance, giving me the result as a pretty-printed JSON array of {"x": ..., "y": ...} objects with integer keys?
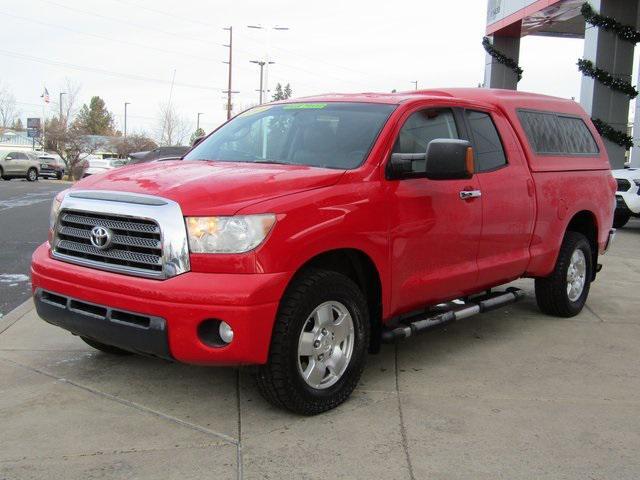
[{"x": 509, "y": 394}]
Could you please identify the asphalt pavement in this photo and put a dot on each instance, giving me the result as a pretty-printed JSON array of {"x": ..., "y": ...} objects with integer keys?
[{"x": 24, "y": 220}]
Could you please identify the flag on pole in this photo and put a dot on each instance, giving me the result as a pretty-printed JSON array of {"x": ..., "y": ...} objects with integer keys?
[{"x": 45, "y": 95}]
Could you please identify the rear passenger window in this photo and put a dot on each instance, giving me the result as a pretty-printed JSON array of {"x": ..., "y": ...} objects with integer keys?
[
  {"x": 554, "y": 134},
  {"x": 422, "y": 127},
  {"x": 486, "y": 142}
]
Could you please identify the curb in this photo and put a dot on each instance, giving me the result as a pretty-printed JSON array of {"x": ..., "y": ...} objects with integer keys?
[{"x": 16, "y": 314}]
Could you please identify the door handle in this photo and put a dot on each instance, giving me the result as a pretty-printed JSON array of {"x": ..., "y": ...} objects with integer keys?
[{"x": 467, "y": 194}]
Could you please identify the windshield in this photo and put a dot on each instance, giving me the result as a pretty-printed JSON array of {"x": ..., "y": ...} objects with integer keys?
[{"x": 331, "y": 135}]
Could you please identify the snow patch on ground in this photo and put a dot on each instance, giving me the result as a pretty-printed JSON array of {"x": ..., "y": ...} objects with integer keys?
[
  {"x": 13, "y": 278},
  {"x": 26, "y": 200}
]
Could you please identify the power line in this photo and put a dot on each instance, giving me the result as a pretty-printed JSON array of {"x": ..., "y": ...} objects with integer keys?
[
  {"x": 209, "y": 25},
  {"x": 104, "y": 37},
  {"x": 126, "y": 22},
  {"x": 31, "y": 58}
]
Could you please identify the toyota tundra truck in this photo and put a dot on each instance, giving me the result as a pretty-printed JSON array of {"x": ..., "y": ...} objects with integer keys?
[{"x": 300, "y": 235}]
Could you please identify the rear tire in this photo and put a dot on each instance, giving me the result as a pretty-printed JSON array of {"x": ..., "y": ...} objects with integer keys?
[
  {"x": 32, "y": 175},
  {"x": 103, "y": 347},
  {"x": 620, "y": 219},
  {"x": 564, "y": 292},
  {"x": 323, "y": 379}
]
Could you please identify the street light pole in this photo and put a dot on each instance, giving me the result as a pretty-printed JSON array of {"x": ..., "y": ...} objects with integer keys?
[
  {"x": 198, "y": 121},
  {"x": 415, "y": 83},
  {"x": 229, "y": 91},
  {"x": 261, "y": 63},
  {"x": 268, "y": 44},
  {"x": 125, "y": 119},
  {"x": 61, "y": 93}
]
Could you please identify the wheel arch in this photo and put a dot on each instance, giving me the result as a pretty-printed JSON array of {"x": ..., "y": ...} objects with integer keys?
[
  {"x": 586, "y": 223},
  {"x": 362, "y": 270}
]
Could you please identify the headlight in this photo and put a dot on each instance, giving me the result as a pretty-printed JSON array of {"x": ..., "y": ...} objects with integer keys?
[
  {"x": 55, "y": 208},
  {"x": 236, "y": 234},
  {"x": 53, "y": 215}
]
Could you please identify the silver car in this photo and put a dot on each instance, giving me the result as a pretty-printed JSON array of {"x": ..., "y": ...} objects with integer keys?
[{"x": 16, "y": 164}]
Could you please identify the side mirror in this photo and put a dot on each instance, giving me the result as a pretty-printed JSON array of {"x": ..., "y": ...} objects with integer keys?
[
  {"x": 449, "y": 159},
  {"x": 8, "y": 157},
  {"x": 197, "y": 140},
  {"x": 401, "y": 165}
]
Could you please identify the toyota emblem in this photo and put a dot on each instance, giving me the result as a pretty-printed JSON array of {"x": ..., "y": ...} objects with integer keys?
[{"x": 101, "y": 237}]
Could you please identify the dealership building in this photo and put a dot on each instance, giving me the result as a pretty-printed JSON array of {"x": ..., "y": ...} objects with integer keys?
[{"x": 607, "y": 27}]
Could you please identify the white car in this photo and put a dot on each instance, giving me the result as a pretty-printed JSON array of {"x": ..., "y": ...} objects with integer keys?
[
  {"x": 627, "y": 195},
  {"x": 101, "y": 165}
]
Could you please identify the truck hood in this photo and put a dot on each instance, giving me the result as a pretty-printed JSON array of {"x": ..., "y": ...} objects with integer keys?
[{"x": 212, "y": 188}]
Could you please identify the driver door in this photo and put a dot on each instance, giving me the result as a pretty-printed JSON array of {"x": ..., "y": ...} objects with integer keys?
[{"x": 434, "y": 233}]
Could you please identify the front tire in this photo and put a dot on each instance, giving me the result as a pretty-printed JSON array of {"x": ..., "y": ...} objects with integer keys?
[
  {"x": 620, "y": 219},
  {"x": 319, "y": 344},
  {"x": 564, "y": 292},
  {"x": 103, "y": 347},
  {"x": 32, "y": 175}
]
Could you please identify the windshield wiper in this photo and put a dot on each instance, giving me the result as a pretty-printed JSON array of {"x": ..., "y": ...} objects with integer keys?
[{"x": 271, "y": 161}]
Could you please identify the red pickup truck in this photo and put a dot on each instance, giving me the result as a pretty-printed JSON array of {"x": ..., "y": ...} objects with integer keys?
[{"x": 300, "y": 235}]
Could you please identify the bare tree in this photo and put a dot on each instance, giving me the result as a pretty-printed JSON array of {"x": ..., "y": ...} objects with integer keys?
[
  {"x": 8, "y": 111},
  {"x": 172, "y": 129},
  {"x": 71, "y": 144},
  {"x": 71, "y": 89},
  {"x": 138, "y": 142}
]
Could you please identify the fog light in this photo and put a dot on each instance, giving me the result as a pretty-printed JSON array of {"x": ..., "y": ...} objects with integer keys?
[{"x": 226, "y": 332}]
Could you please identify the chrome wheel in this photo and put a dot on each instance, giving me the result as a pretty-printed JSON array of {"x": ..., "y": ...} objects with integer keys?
[
  {"x": 576, "y": 275},
  {"x": 325, "y": 345},
  {"x": 32, "y": 175}
]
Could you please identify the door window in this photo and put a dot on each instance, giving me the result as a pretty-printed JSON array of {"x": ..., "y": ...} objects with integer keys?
[
  {"x": 422, "y": 127},
  {"x": 486, "y": 141}
]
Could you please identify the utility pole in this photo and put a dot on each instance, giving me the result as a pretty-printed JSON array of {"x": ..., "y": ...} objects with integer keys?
[
  {"x": 198, "y": 121},
  {"x": 230, "y": 63},
  {"x": 61, "y": 93},
  {"x": 125, "y": 119},
  {"x": 415, "y": 83},
  {"x": 261, "y": 63}
]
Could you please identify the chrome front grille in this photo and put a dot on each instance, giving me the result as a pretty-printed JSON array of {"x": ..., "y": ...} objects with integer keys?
[
  {"x": 146, "y": 235},
  {"x": 136, "y": 243}
]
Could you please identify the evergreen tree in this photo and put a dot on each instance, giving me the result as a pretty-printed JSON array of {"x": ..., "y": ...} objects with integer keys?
[
  {"x": 279, "y": 95},
  {"x": 17, "y": 125},
  {"x": 95, "y": 119},
  {"x": 287, "y": 91},
  {"x": 198, "y": 133}
]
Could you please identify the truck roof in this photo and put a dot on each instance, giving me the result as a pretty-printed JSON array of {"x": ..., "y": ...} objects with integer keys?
[{"x": 487, "y": 96}]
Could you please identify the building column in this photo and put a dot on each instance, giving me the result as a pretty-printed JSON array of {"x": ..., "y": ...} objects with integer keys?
[
  {"x": 615, "y": 56},
  {"x": 497, "y": 75},
  {"x": 635, "y": 151}
]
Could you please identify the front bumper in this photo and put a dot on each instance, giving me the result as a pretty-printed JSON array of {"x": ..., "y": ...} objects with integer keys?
[
  {"x": 628, "y": 202},
  {"x": 127, "y": 330},
  {"x": 247, "y": 302}
]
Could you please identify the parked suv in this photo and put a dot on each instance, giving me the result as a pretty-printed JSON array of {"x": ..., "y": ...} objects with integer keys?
[
  {"x": 302, "y": 234},
  {"x": 16, "y": 164},
  {"x": 627, "y": 196},
  {"x": 51, "y": 166}
]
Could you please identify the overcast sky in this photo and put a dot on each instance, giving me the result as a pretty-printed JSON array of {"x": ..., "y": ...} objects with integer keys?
[{"x": 128, "y": 50}]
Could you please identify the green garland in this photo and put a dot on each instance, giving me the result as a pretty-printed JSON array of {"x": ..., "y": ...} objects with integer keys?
[
  {"x": 502, "y": 58},
  {"x": 613, "y": 135},
  {"x": 624, "y": 32},
  {"x": 604, "y": 77}
]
